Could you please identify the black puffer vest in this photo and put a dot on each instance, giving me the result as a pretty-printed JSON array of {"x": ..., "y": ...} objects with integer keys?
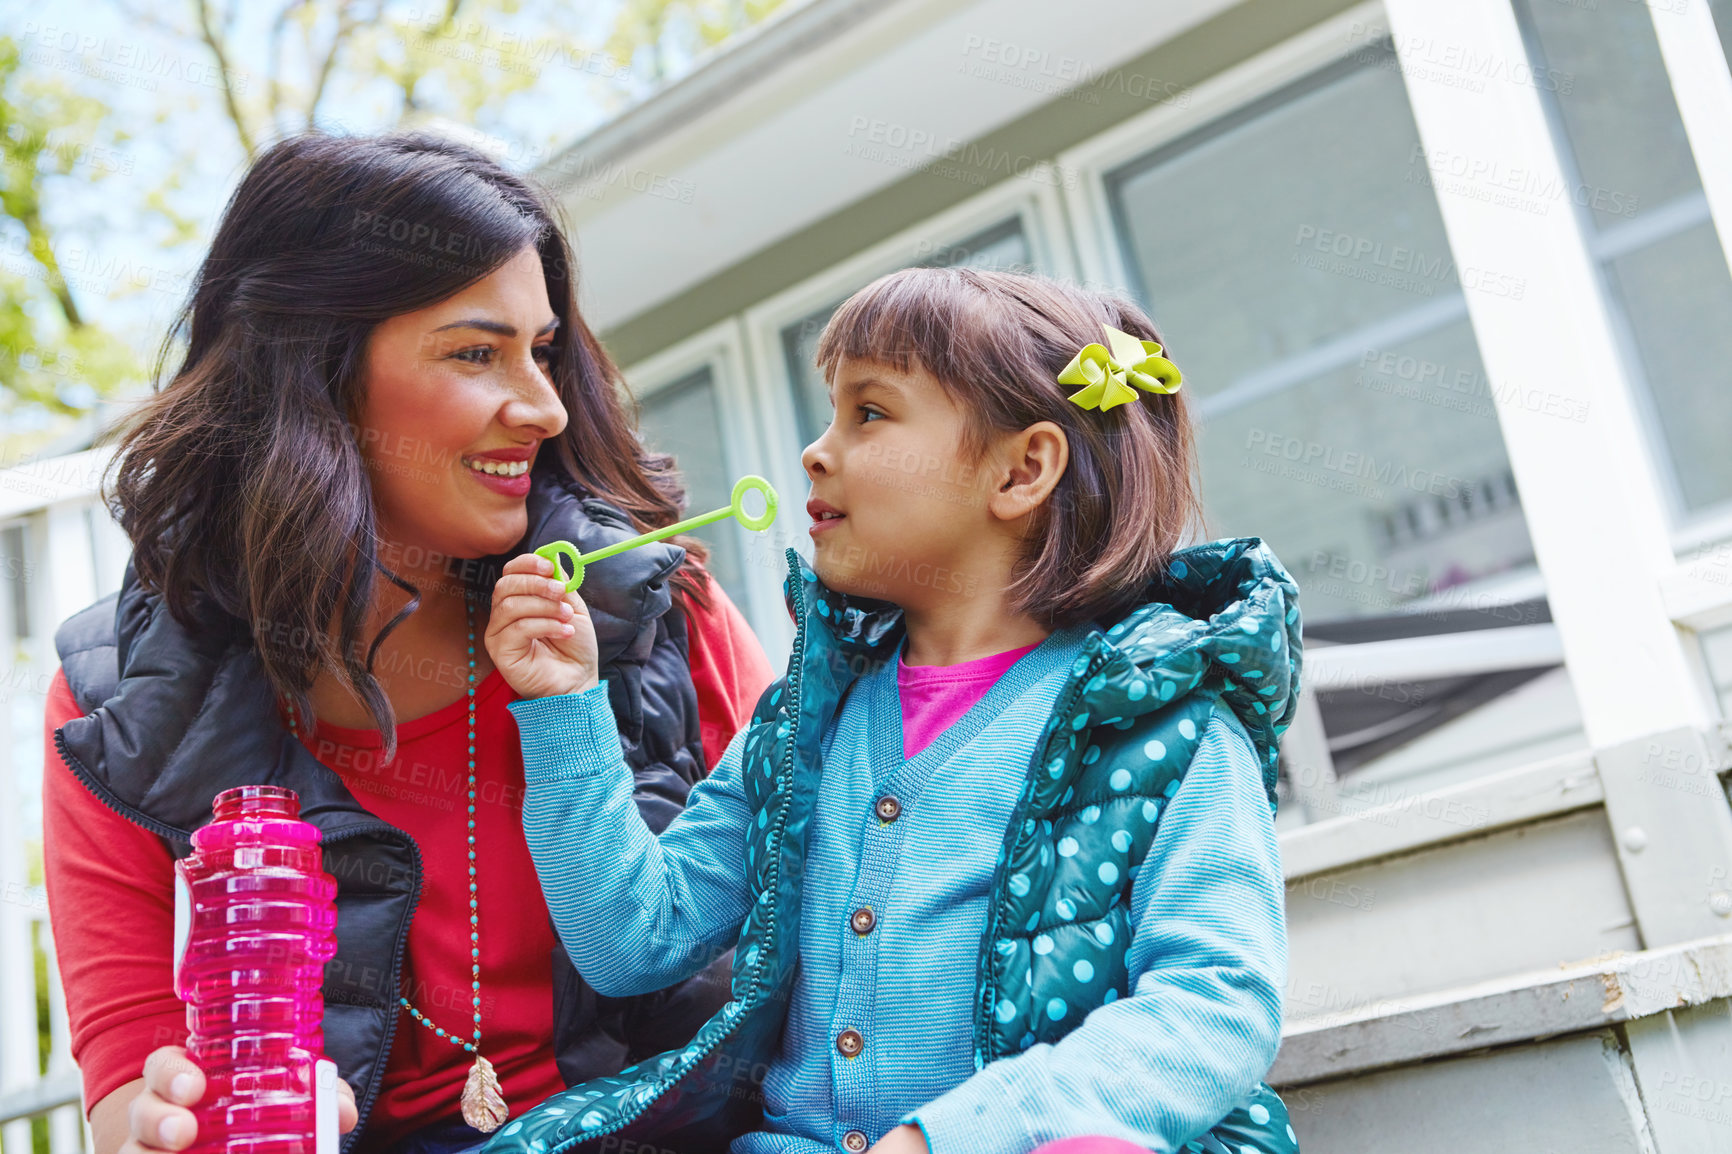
[{"x": 175, "y": 716}]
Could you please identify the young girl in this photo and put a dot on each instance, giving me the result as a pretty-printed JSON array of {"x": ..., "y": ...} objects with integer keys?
[{"x": 998, "y": 853}]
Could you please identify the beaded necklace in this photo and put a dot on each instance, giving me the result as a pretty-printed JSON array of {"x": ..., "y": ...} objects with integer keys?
[{"x": 482, "y": 1103}]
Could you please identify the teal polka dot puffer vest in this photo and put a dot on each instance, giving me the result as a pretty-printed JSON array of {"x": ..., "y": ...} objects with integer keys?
[{"x": 1219, "y": 630}]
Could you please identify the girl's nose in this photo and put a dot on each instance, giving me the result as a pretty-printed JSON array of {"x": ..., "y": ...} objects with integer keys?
[{"x": 815, "y": 460}]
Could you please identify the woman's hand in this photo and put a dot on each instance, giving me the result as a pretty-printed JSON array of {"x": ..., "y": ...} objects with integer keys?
[
  {"x": 540, "y": 637},
  {"x": 159, "y": 1115}
]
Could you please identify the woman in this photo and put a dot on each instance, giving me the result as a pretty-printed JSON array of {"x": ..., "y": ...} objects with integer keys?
[{"x": 386, "y": 375}]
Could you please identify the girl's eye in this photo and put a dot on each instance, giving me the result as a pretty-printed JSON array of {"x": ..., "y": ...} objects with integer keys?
[
  {"x": 546, "y": 354},
  {"x": 866, "y": 413}
]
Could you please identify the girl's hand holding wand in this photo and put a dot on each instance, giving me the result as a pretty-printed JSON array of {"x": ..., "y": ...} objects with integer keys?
[{"x": 540, "y": 636}]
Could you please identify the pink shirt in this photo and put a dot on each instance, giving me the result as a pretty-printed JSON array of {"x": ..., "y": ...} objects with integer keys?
[{"x": 934, "y": 697}]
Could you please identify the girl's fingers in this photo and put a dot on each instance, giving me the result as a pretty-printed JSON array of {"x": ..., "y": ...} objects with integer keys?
[
  {"x": 531, "y": 563},
  {"x": 529, "y": 584},
  {"x": 523, "y": 607},
  {"x": 521, "y": 632}
]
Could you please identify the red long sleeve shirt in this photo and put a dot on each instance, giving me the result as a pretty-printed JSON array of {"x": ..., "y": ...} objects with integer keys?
[{"x": 110, "y": 892}]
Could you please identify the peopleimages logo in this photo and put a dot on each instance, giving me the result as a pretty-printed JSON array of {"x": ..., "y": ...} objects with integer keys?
[
  {"x": 1039, "y": 70},
  {"x": 902, "y": 145},
  {"x": 107, "y": 59},
  {"x": 1516, "y": 186},
  {"x": 1458, "y": 65},
  {"x": 1433, "y": 382},
  {"x": 1396, "y": 265},
  {"x": 1351, "y": 464}
]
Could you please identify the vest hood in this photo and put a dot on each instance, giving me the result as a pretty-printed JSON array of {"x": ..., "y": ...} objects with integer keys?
[{"x": 1222, "y": 618}]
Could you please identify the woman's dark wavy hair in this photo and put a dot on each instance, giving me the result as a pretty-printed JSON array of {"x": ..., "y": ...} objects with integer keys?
[{"x": 241, "y": 479}]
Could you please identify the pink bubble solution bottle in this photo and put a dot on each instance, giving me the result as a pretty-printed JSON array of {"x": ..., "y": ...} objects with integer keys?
[{"x": 255, "y": 923}]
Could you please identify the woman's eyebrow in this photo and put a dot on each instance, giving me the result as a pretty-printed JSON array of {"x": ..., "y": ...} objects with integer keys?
[{"x": 497, "y": 327}]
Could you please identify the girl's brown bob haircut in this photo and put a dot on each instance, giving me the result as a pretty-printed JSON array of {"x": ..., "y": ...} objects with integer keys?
[{"x": 996, "y": 342}]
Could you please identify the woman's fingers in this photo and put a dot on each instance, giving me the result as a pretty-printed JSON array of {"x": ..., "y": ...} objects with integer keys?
[
  {"x": 347, "y": 1112},
  {"x": 172, "y": 1076},
  {"x": 160, "y": 1118}
]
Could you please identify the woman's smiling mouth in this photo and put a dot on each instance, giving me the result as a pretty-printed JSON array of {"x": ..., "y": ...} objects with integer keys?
[{"x": 505, "y": 472}]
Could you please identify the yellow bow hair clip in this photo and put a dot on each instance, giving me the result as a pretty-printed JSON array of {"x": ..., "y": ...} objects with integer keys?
[{"x": 1108, "y": 374}]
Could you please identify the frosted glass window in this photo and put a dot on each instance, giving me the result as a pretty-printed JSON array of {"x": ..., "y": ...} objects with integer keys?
[
  {"x": 1647, "y": 224},
  {"x": 1003, "y": 246},
  {"x": 1294, "y": 259},
  {"x": 684, "y": 418}
]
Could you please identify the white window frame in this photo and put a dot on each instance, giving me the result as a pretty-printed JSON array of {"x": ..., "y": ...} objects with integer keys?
[
  {"x": 1085, "y": 198},
  {"x": 1101, "y": 260},
  {"x": 721, "y": 349},
  {"x": 1088, "y": 205}
]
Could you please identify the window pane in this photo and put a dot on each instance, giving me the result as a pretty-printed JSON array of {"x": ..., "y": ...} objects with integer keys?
[
  {"x": 1664, "y": 268},
  {"x": 1679, "y": 301},
  {"x": 1294, "y": 259},
  {"x": 1003, "y": 246},
  {"x": 682, "y": 419},
  {"x": 1616, "y": 105},
  {"x": 1722, "y": 10},
  {"x": 1376, "y": 484}
]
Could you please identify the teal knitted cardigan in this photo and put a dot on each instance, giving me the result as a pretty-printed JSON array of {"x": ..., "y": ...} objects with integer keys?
[{"x": 1219, "y": 629}]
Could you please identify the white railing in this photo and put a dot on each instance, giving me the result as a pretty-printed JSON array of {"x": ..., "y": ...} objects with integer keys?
[{"x": 62, "y": 551}]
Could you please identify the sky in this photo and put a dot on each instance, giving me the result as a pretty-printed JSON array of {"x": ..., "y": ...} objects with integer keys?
[{"x": 127, "y": 269}]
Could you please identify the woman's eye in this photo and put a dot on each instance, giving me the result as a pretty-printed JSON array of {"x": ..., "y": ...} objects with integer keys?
[
  {"x": 479, "y": 355},
  {"x": 546, "y": 354}
]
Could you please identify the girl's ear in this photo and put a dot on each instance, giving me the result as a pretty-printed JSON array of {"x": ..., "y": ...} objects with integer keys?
[{"x": 1033, "y": 461}]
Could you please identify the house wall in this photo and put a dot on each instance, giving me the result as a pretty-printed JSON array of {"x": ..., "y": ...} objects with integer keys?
[{"x": 1512, "y": 931}]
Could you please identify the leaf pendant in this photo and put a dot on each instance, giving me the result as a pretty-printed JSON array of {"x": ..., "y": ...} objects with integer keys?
[{"x": 483, "y": 1105}]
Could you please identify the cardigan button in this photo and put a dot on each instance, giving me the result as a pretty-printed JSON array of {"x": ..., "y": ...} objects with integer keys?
[
  {"x": 889, "y": 809},
  {"x": 849, "y": 1042},
  {"x": 863, "y": 920},
  {"x": 854, "y": 1141}
]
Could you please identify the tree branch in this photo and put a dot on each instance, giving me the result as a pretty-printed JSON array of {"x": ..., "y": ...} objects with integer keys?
[
  {"x": 274, "y": 60},
  {"x": 347, "y": 23},
  {"x": 411, "y": 76},
  {"x": 213, "y": 40}
]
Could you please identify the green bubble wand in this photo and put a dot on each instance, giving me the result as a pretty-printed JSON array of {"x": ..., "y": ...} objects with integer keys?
[{"x": 555, "y": 551}]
